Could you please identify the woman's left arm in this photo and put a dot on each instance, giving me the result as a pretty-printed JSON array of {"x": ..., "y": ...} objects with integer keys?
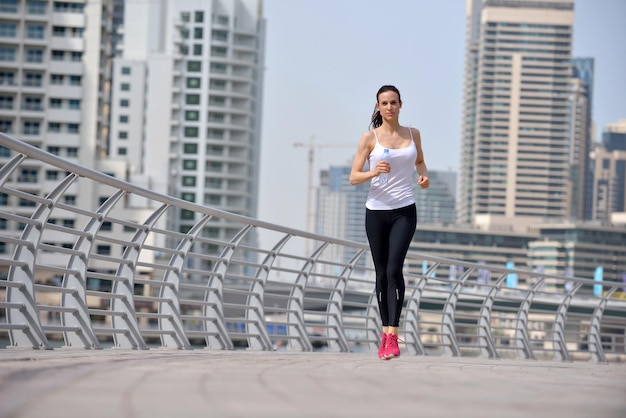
[{"x": 420, "y": 164}]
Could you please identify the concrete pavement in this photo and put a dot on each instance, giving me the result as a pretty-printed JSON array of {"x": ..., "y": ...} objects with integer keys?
[{"x": 208, "y": 383}]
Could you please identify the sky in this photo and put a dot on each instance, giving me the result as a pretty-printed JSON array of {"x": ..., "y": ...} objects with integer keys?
[{"x": 325, "y": 60}]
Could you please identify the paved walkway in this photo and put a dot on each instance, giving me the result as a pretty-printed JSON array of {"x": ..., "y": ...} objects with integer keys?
[{"x": 207, "y": 383}]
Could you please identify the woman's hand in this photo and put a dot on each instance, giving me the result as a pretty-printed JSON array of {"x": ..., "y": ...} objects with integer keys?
[
  {"x": 423, "y": 182},
  {"x": 381, "y": 167}
]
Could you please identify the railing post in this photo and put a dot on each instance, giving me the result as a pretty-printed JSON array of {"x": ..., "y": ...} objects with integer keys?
[
  {"x": 484, "y": 321},
  {"x": 522, "y": 339},
  {"x": 558, "y": 334},
  {"x": 595, "y": 328},
  {"x": 125, "y": 305},
  {"x": 448, "y": 323},
  {"x": 411, "y": 320}
]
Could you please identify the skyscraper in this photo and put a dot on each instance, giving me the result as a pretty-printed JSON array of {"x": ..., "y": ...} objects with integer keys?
[
  {"x": 609, "y": 180},
  {"x": 186, "y": 107},
  {"x": 516, "y": 146},
  {"x": 54, "y": 64}
]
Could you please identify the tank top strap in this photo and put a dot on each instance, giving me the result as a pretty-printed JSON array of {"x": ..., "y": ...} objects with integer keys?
[
  {"x": 375, "y": 135},
  {"x": 411, "y": 133}
]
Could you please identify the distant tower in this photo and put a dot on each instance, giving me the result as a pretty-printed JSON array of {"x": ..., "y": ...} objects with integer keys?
[{"x": 516, "y": 138}]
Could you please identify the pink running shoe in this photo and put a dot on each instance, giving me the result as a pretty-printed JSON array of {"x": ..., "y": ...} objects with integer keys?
[
  {"x": 383, "y": 347},
  {"x": 392, "y": 349}
]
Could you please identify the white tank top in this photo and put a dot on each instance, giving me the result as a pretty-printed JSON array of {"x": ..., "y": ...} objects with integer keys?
[{"x": 398, "y": 192}]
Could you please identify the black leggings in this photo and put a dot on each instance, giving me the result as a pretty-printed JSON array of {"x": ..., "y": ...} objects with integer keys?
[{"x": 389, "y": 233}]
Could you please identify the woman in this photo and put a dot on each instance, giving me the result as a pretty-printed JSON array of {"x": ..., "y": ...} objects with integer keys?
[{"x": 390, "y": 217}]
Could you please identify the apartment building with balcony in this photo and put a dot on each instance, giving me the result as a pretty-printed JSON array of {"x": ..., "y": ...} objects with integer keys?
[{"x": 186, "y": 104}]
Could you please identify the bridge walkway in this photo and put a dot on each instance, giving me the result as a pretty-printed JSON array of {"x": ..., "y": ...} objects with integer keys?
[{"x": 208, "y": 383}]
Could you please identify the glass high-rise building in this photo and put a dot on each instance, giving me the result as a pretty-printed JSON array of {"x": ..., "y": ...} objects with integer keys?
[{"x": 518, "y": 145}]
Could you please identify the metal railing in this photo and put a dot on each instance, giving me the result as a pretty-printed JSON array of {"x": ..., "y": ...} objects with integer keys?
[{"x": 187, "y": 276}]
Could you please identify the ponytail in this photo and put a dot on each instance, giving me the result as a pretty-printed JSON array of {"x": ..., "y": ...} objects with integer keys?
[{"x": 377, "y": 119}]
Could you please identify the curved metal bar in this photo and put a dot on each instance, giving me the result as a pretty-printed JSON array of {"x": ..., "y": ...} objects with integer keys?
[
  {"x": 296, "y": 329},
  {"x": 595, "y": 338},
  {"x": 522, "y": 339},
  {"x": 296, "y": 301},
  {"x": 339, "y": 341},
  {"x": 448, "y": 323},
  {"x": 170, "y": 318},
  {"x": 125, "y": 316},
  {"x": 558, "y": 333},
  {"x": 7, "y": 169},
  {"x": 26, "y": 276},
  {"x": 79, "y": 318},
  {"x": 411, "y": 322},
  {"x": 255, "y": 308},
  {"x": 484, "y": 320}
]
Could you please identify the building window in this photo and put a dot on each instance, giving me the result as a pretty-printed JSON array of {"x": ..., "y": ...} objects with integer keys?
[
  {"x": 7, "y": 78},
  {"x": 197, "y": 49},
  {"x": 123, "y": 119},
  {"x": 186, "y": 214},
  {"x": 126, "y": 70},
  {"x": 121, "y": 151},
  {"x": 54, "y": 150},
  {"x": 75, "y": 80},
  {"x": 54, "y": 127},
  {"x": 103, "y": 249},
  {"x": 6, "y": 102},
  {"x": 52, "y": 175},
  {"x": 189, "y": 181},
  {"x": 56, "y": 79},
  {"x": 30, "y": 128},
  {"x": 190, "y": 164},
  {"x": 74, "y": 104},
  {"x": 192, "y": 99},
  {"x": 124, "y": 102},
  {"x": 55, "y": 103},
  {"x": 190, "y": 148},
  {"x": 36, "y": 7},
  {"x": 8, "y": 6},
  {"x": 69, "y": 199},
  {"x": 198, "y": 17},
  {"x": 218, "y": 51},
  {"x": 184, "y": 16},
  {"x": 34, "y": 55},
  {"x": 57, "y": 55},
  {"x": 35, "y": 31},
  {"x": 191, "y": 132},
  {"x": 72, "y": 152},
  {"x": 125, "y": 87},
  {"x": 4, "y": 152},
  {"x": 122, "y": 135},
  {"x": 193, "y": 82},
  {"x": 217, "y": 84},
  {"x": 65, "y": 7},
  {"x": 8, "y": 30},
  {"x": 198, "y": 33},
  {"x": 7, "y": 53},
  {"x": 189, "y": 197},
  {"x": 72, "y": 128},
  {"x": 58, "y": 31},
  {"x": 192, "y": 115},
  {"x": 33, "y": 79},
  {"x": 76, "y": 56},
  {"x": 194, "y": 66}
]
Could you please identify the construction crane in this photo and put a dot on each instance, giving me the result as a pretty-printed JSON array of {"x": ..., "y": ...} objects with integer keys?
[{"x": 311, "y": 145}]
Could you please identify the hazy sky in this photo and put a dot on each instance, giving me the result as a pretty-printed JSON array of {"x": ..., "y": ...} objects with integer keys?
[{"x": 325, "y": 60}]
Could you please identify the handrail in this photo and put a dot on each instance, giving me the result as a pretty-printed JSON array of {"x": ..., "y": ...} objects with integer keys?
[{"x": 122, "y": 275}]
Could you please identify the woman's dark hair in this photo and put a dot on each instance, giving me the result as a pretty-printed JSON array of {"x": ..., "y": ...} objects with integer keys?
[{"x": 377, "y": 119}]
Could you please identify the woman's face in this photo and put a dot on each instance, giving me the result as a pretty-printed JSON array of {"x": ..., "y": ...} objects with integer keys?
[{"x": 389, "y": 105}]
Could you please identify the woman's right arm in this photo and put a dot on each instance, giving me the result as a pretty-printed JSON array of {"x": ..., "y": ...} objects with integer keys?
[{"x": 357, "y": 175}]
